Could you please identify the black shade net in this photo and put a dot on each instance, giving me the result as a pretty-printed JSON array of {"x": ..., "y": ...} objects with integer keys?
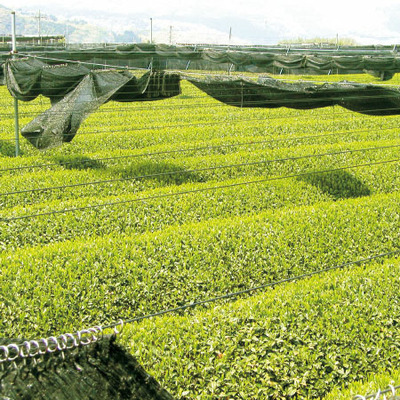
[
  {"x": 102, "y": 370},
  {"x": 76, "y": 92},
  {"x": 354, "y": 59},
  {"x": 272, "y": 93}
]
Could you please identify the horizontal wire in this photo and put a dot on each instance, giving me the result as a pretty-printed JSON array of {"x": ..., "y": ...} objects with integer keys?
[
  {"x": 282, "y": 46},
  {"x": 227, "y": 100},
  {"x": 150, "y": 107},
  {"x": 165, "y": 195},
  {"x": 176, "y": 126},
  {"x": 149, "y": 110},
  {"x": 248, "y": 85},
  {"x": 185, "y": 171},
  {"x": 81, "y": 62},
  {"x": 249, "y": 290},
  {"x": 391, "y": 111},
  {"x": 229, "y": 90},
  {"x": 228, "y": 48},
  {"x": 332, "y": 115},
  {"x": 301, "y": 115},
  {"x": 358, "y": 131},
  {"x": 190, "y": 149},
  {"x": 147, "y": 54}
]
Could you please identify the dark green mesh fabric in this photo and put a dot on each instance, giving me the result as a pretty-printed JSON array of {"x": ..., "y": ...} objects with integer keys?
[
  {"x": 28, "y": 78},
  {"x": 76, "y": 92},
  {"x": 100, "y": 371},
  {"x": 382, "y": 61},
  {"x": 272, "y": 93},
  {"x": 61, "y": 122}
]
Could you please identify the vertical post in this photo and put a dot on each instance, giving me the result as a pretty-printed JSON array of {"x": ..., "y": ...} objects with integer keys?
[
  {"x": 170, "y": 34},
  {"x": 151, "y": 30},
  {"x": 13, "y": 35},
  {"x": 39, "y": 29},
  {"x": 13, "y": 52}
]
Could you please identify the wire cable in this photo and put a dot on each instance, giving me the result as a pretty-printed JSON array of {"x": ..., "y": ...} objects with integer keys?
[
  {"x": 253, "y": 289},
  {"x": 191, "y": 149},
  {"x": 166, "y": 195},
  {"x": 189, "y": 171},
  {"x": 81, "y": 62},
  {"x": 227, "y": 101},
  {"x": 197, "y": 125}
]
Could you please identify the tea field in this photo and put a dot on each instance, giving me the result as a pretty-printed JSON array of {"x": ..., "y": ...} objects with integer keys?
[{"x": 155, "y": 205}]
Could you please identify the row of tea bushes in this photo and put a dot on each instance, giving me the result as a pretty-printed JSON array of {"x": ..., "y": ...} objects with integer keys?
[{"x": 297, "y": 341}]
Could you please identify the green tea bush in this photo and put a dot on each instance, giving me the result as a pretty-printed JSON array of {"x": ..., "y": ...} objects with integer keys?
[
  {"x": 141, "y": 217},
  {"x": 296, "y": 341},
  {"x": 116, "y": 275}
]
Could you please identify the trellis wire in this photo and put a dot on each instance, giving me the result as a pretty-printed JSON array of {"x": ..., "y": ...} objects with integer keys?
[
  {"x": 83, "y": 337},
  {"x": 165, "y": 195},
  {"x": 249, "y": 104},
  {"x": 189, "y": 149},
  {"x": 82, "y": 62},
  {"x": 189, "y": 171},
  {"x": 111, "y": 131},
  {"x": 253, "y": 289}
]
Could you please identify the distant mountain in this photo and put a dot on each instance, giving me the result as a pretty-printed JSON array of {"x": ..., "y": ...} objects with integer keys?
[
  {"x": 76, "y": 30},
  {"x": 208, "y": 21},
  {"x": 88, "y": 26}
]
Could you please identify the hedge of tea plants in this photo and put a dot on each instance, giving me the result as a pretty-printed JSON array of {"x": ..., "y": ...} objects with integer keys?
[{"x": 155, "y": 205}]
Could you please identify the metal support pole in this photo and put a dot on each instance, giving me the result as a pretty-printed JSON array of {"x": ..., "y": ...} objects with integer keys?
[
  {"x": 151, "y": 30},
  {"x": 13, "y": 35},
  {"x": 16, "y": 124},
  {"x": 14, "y": 52}
]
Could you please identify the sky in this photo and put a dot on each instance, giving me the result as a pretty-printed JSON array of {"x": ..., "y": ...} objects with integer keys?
[{"x": 368, "y": 22}]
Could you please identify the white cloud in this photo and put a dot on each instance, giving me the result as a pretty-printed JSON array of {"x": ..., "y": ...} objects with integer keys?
[{"x": 290, "y": 18}]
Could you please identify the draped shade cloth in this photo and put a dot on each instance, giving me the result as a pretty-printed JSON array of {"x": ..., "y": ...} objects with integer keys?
[
  {"x": 354, "y": 59},
  {"x": 271, "y": 93},
  {"x": 75, "y": 92},
  {"x": 100, "y": 371}
]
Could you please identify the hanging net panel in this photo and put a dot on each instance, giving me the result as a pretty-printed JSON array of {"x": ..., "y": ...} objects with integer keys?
[
  {"x": 76, "y": 92},
  {"x": 382, "y": 62},
  {"x": 272, "y": 93},
  {"x": 102, "y": 370}
]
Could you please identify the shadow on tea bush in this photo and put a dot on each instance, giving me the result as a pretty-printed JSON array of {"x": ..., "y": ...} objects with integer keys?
[
  {"x": 79, "y": 162},
  {"x": 338, "y": 184},
  {"x": 163, "y": 172},
  {"x": 8, "y": 149}
]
